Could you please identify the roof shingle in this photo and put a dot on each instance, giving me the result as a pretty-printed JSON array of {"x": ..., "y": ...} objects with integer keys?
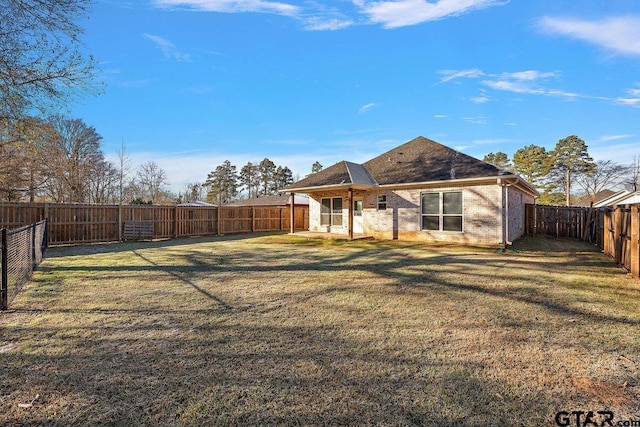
[{"x": 419, "y": 160}]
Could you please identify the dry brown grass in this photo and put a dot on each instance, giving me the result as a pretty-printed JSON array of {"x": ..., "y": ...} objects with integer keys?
[{"x": 279, "y": 330}]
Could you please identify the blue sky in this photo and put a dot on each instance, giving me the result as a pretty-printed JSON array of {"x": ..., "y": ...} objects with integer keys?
[{"x": 191, "y": 83}]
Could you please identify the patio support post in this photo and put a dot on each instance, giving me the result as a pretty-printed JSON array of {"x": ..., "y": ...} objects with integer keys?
[
  {"x": 635, "y": 242},
  {"x": 292, "y": 213},
  {"x": 350, "y": 198}
]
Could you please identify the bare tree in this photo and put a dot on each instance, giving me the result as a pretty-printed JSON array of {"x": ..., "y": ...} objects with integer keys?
[
  {"x": 633, "y": 180},
  {"x": 604, "y": 174},
  {"x": 103, "y": 183},
  {"x": 193, "y": 191},
  {"x": 71, "y": 160},
  {"x": 124, "y": 168},
  {"x": 152, "y": 181},
  {"x": 41, "y": 59}
]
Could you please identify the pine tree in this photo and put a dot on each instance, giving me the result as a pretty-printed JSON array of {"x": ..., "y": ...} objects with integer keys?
[
  {"x": 499, "y": 160},
  {"x": 530, "y": 162},
  {"x": 222, "y": 183},
  {"x": 570, "y": 156}
]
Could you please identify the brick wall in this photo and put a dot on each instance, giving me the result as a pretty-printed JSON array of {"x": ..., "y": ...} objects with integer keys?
[{"x": 402, "y": 218}]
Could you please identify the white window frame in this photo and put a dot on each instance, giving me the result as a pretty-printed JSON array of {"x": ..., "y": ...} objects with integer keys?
[{"x": 333, "y": 213}]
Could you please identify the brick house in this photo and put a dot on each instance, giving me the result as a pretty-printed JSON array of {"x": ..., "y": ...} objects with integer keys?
[{"x": 421, "y": 190}]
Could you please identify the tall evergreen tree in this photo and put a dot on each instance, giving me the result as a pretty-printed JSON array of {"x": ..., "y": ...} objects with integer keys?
[
  {"x": 250, "y": 179},
  {"x": 266, "y": 171},
  {"x": 530, "y": 162},
  {"x": 282, "y": 177},
  {"x": 316, "y": 167},
  {"x": 499, "y": 160},
  {"x": 570, "y": 157},
  {"x": 222, "y": 183}
]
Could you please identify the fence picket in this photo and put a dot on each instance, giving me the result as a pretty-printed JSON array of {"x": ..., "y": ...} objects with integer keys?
[
  {"x": 615, "y": 230},
  {"x": 77, "y": 224}
]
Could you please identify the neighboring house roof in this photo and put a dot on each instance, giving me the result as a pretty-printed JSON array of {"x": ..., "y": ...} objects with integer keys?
[
  {"x": 620, "y": 198},
  {"x": 195, "y": 204},
  {"x": 596, "y": 198},
  {"x": 418, "y": 161},
  {"x": 273, "y": 200}
]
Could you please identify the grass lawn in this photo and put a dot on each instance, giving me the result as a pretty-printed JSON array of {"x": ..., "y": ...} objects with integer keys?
[{"x": 280, "y": 330}]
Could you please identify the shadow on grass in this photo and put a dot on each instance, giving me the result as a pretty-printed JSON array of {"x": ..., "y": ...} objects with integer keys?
[
  {"x": 246, "y": 364},
  {"x": 227, "y": 374},
  {"x": 116, "y": 247},
  {"x": 404, "y": 270}
]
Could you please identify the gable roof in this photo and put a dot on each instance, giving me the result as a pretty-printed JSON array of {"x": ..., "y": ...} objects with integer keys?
[
  {"x": 272, "y": 200},
  {"x": 595, "y": 199},
  {"x": 420, "y": 160},
  {"x": 623, "y": 197},
  {"x": 423, "y": 160}
]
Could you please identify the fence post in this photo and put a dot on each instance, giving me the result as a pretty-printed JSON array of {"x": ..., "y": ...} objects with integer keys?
[
  {"x": 175, "y": 221},
  {"x": 617, "y": 235},
  {"x": 218, "y": 228},
  {"x": 4, "y": 290},
  {"x": 120, "y": 222},
  {"x": 635, "y": 243},
  {"x": 253, "y": 219}
]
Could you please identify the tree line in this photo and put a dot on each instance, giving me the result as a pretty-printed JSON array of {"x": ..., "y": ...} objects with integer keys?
[
  {"x": 225, "y": 183},
  {"x": 44, "y": 155},
  {"x": 557, "y": 172},
  {"x": 60, "y": 160}
]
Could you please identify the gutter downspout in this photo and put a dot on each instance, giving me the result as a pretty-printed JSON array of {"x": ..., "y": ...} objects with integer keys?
[
  {"x": 506, "y": 188},
  {"x": 502, "y": 239}
]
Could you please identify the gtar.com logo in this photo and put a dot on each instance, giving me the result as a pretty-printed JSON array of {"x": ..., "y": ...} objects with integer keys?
[{"x": 584, "y": 418}]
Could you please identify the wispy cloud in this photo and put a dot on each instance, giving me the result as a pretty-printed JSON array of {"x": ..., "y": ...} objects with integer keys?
[
  {"x": 367, "y": 107},
  {"x": 528, "y": 82},
  {"x": 167, "y": 48},
  {"x": 608, "y": 138},
  {"x": 400, "y": 13},
  {"x": 524, "y": 82},
  {"x": 316, "y": 23},
  {"x": 317, "y": 16},
  {"x": 232, "y": 6},
  {"x": 475, "y": 120},
  {"x": 482, "y": 98},
  {"x": 619, "y": 34},
  {"x": 632, "y": 99},
  {"x": 450, "y": 75}
]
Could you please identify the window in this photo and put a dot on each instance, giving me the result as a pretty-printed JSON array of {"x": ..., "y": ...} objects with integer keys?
[
  {"x": 331, "y": 211},
  {"x": 442, "y": 211},
  {"x": 382, "y": 202},
  {"x": 357, "y": 208}
]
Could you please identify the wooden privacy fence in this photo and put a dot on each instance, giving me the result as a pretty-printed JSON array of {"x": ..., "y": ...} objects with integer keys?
[
  {"x": 559, "y": 221},
  {"x": 615, "y": 230},
  {"x": 73, "y": 224}
]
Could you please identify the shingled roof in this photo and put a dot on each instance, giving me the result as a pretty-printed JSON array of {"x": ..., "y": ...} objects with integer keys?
[{"x": 419, "y": 160}]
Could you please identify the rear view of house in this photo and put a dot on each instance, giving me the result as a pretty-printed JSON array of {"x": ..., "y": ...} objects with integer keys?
[{"x": 421, "y": 190}]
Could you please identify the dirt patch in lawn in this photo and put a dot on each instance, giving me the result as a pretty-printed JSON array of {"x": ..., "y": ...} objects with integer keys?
[{"x": 280, "y": 330}]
